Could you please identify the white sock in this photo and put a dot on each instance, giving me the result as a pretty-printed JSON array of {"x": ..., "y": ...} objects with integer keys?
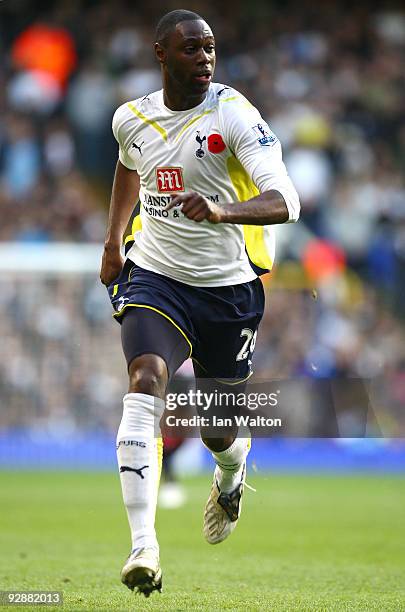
[
  {"x": 230, "y": 464},
  {"x": 140, "y": 450}
]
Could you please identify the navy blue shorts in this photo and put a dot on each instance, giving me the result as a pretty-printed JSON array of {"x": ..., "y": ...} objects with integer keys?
[{"x": 219, "y": 323}]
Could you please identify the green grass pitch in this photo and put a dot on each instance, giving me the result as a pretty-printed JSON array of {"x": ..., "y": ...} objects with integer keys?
[{"x": 313, "y": 543}]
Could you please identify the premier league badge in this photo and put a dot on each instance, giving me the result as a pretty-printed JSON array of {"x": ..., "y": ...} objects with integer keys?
[{"x": 265, "y": 137}]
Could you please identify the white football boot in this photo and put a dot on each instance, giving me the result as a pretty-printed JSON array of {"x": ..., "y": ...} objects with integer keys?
[
  {"x": 142, "y": 571},
  {"x": 222, "y": 510}
]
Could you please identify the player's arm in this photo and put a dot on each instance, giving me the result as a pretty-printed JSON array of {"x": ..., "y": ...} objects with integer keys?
[
  {"x": 124, "y": 193},
  {"x": 268, "y": 208},
  {"x": 259, "y": 152}
]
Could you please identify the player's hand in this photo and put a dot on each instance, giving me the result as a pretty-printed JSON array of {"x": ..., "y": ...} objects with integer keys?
[
  {"x": 111, "y": 264},
  {"x": 196, "y": 207}
]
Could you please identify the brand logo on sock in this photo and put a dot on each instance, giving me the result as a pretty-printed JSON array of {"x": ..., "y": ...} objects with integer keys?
[
  {"x": 131, "y": 443},
  {"x": 126, "y": 468}
]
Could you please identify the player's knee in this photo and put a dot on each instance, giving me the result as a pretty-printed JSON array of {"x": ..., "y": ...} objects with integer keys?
[
  {"x": 148, "y": 374},
  {"x": 218, "y": 444},
  {"x": 147, "y": 380}
]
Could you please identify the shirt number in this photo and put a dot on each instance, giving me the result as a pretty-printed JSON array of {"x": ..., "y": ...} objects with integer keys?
[{"x": 248, "y": 345}]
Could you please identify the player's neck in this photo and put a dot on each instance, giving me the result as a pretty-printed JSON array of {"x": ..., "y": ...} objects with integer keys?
[{"x": 177, "y": 101}]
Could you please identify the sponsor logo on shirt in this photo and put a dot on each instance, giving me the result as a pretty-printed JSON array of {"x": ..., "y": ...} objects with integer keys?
[
  {"x": 265, "y": 137},
  {"x": 154, "y": 205},
  {"x": 169, "y": 180}
]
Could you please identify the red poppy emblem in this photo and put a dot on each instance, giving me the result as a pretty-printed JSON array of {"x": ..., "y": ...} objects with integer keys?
[{"x": 216, "y": 143}]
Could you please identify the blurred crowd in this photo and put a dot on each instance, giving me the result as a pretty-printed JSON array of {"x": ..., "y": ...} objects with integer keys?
[
  {"x": 330, "y": 82},
  {"x": 64, "y": 369}
]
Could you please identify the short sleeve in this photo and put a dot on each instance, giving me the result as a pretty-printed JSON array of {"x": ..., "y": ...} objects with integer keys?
[
  {"x": 119, "y": 128},
  {"x": 259, "y": 151}
]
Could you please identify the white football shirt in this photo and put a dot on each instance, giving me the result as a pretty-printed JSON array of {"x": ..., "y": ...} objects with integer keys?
[{"x": 225, "y": 151}]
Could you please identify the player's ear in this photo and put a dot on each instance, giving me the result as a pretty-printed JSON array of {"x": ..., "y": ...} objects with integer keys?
[{"x": 160, "y": 53}]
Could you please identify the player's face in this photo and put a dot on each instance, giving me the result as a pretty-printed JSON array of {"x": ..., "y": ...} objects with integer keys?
[{"x": 190, "y": 57}]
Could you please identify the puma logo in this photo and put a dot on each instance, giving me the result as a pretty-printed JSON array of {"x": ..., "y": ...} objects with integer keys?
[
  {"x": 125, "y": 468},
  {"x": 221, "y": 91},
  {"x": 135, "y": 146}
]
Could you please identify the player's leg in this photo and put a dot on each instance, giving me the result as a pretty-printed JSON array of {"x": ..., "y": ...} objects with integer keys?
[
  {"x": 154, "y": 349},
  {"x": 225, "y": 355},
  {"x": 216, "y": 439},
  {"x": 229, "y": 448}
]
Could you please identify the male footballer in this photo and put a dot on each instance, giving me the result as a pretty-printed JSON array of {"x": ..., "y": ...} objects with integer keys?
[{"x": 209, "y": 175}]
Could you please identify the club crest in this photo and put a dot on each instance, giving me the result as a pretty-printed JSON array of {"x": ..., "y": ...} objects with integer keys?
[{"x": 200, "y": 151}]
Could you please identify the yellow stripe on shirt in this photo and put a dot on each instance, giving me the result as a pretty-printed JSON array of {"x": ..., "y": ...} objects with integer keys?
[
  {"x": 136, "y": 227},
  {"x": 191, "y": 122},
  {"x": 151, "y": 122},
  {"x": 253, "y": 234},
  {"x": 208, "y": 112}
]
